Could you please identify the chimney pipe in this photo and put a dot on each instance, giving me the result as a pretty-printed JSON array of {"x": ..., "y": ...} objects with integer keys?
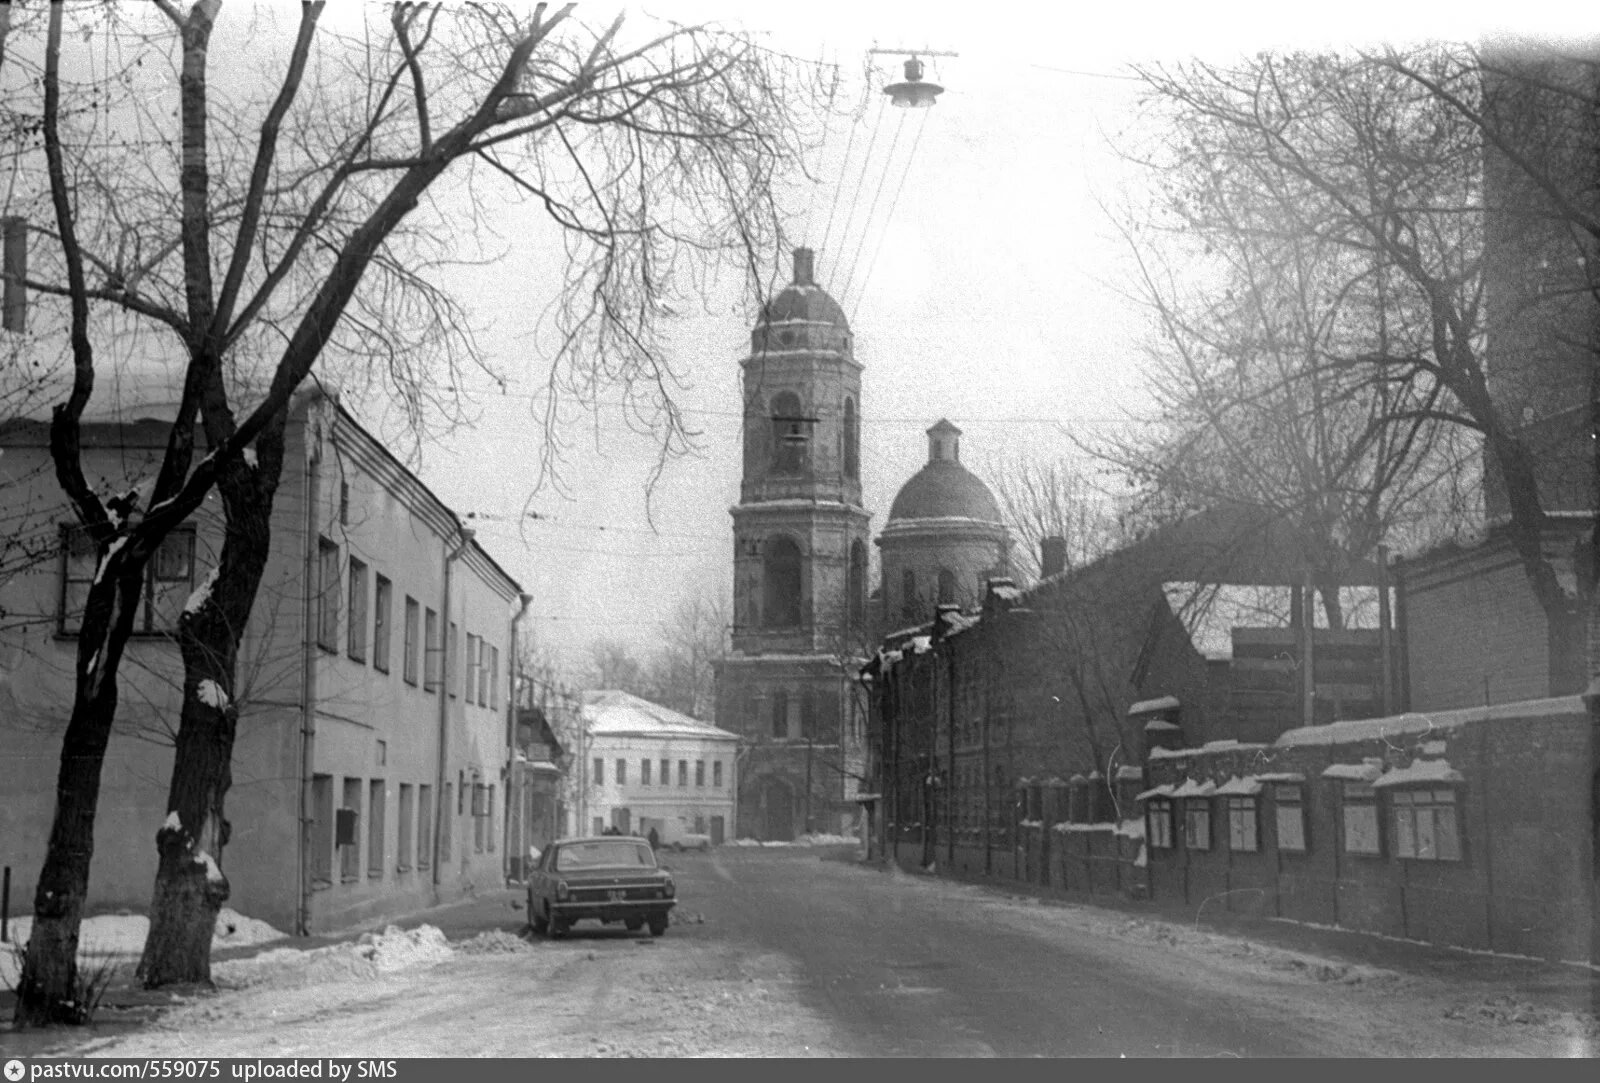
[
  {"x": 804, "y": 267},
  {"x": 1052, "y": 556}
]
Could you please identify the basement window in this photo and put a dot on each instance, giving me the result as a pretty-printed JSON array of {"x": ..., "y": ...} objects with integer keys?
[{"x": 1426, "y": 827}]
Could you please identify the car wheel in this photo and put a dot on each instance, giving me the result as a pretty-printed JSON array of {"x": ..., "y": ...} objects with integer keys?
[
  {"x": 658, "y": 925},
  {"x": 537, "y": 919},
  {"x": 633, "y": 925},
  {"x": 558, "y": 928}
]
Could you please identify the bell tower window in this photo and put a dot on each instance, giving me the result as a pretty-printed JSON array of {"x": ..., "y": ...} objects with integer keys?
[
  {"x": 852, "y": 441},
  {"x": 791, "y": 434},
  {"x": 780, "y": 580}
]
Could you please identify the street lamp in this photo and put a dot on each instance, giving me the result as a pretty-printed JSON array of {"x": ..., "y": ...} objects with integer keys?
[{"x": 914, "y": 93}]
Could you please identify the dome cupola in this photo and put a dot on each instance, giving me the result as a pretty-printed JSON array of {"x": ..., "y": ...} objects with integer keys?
[
  {"x": 943, "y": 488},
  {"x": 801, "y": 316}
]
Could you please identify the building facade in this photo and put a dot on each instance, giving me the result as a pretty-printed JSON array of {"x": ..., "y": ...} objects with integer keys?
[
  {"x": 800, "y": 538},
  {"x": 373, "y": 738},
  {"x": 647, "y": 768}
]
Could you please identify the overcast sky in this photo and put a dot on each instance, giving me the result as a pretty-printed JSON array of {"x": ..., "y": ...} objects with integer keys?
[{"x": 991, "y": 296}]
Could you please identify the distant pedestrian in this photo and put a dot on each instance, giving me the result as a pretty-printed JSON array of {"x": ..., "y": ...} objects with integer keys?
[{"x": 655, "y": 840}]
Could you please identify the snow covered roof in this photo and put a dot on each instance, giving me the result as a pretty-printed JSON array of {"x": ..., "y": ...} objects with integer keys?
[
  {"x": 1281, "y": 776},
  {"x": 1248, "y": 786},
  {"x": 1150, "y": 706},
  {"x": 618, "y": 713},
  {"x": 1128, "y": 771},
  {"x": 1156, "y": 791},
  {"x": 1365, "y": 729},
  {"x": 1191, "y": 788},
  {"x": 1366, "y": 771},
  {"x": 1420, "y": 771}
]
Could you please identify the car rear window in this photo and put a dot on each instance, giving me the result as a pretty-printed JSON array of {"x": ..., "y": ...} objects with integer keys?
[{"x": 605, "y": 852}]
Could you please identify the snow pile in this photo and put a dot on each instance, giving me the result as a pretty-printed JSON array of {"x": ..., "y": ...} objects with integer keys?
[
  {"x": 365, "y": 959},
  {"x": 493, "y": 942},
  {"x": 235, "y": 930}
]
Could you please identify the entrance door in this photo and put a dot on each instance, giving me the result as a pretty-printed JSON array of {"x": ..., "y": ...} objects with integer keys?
[
  {"x": 777, "y": 811},
  {"x": 622, "y": 820},
  {"x": 716, "y": 830}
]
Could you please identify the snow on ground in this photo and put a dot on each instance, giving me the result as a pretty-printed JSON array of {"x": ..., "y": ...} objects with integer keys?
[
  {"x": 119, "y": 938},
  {"x": 801, "y": 840}
]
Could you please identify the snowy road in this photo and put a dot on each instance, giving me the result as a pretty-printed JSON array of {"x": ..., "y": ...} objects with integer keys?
[{"x": 777, "y": 953}]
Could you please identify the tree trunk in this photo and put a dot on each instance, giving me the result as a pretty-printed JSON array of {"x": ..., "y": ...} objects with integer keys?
[
  {"x": 190, "y": 886},
  {"x": 50, "y": 988}
]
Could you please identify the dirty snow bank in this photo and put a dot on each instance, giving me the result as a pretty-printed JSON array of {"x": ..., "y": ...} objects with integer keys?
[
  {"x": 801, "y": 840},
  {"x": 359, "y": 960}
]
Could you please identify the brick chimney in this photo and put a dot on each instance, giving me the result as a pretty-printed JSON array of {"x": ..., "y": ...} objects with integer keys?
[
  {"x": 1052, "y": 556},
  {"x": 804, "y": 269}
]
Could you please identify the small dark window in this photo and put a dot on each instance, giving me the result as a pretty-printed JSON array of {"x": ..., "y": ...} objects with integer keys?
[
  {"x": 1359, "y": 817},
  {"x": 852, "y": 440},
  {"x": 780, "y": 715},
  {"x": 1289, "y": 800},
  {"x": 1197, "y": 823},
  {"x": 781, "y": 582}
]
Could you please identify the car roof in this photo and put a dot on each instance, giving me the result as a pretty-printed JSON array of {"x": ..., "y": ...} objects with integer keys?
[{"x": 600, "y": 838}]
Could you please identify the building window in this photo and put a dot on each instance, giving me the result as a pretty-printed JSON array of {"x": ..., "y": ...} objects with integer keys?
[
  {"x": 683, "y": 772},
  {"x": 409, "y": 662},
  {"x": 716, "y": 774},
  {"x": 1242, "y": 821},
  {"x": 447, "y": 675},
  {"x": 599, "y": 772},
  {"x": 856, "y": 587},
  {"x": 666, "y": 774},
  {"x": 480, "y": 815},
  {"x": 700, "y": 773},
  {"x": 644, "y": 772},
  {"x": 494, "y": 678},
  {"x": 382, "y": 622},
  {"x": 622, "y": 772},
  {"x": 780, "y": 582},
  {"x": 489, "y": 821},
  {"x": 1425, "y": 824},
  {"x": 947, "y": 586},
  {"x": 909, "y": 609},
  {"x": 168, "y": 581},
  {"x": 447, "y": 831},
  {"x": 430, "y": 650},
  {"x": 472, "y": 667},
  {"x": 791, "y": 434},
  {"x": 322, "y": 830},
  {"x": 376, "y": 814},
  {"x": 852, "y": 440},
  {"x": 483, "y": 672},
  {"x": 1359, "y": 817},
  {"x": 348, "y": 827},
  {"x": 408, "y": 812},
  {"x": 780, "y": 713},
  {"x": 344, "y": 502},
  {"x": 424, "y": 826},
  {"x": 1158, "y": 823},
  {"x": 357, "y": 622},
  {"x": 328, "y": 595},
  {"x": 1197, "y": 823},
  {"x": 1289, "y": 801}
]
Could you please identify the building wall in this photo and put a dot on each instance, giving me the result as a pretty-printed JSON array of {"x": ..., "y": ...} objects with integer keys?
[
  {"x": 972, "y": 552},
  {"x": 1524, "y": 882},
  {"x": 367, "y": 727},
  {"x": 1475, "y": 633},
  {"x": 673, "y": 809}
]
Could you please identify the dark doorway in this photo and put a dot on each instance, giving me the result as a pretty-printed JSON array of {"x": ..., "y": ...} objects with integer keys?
[{"x": 777, "y": 811}]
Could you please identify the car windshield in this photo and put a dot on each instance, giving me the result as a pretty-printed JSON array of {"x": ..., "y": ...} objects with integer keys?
[{"x": 605, "y": 852}]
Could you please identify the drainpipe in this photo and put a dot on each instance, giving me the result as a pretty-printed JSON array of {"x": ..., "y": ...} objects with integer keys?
[
  {"x": 308, "y": 675},
  {"x": 513, "y": 670},
  {"x": 439, "y": 804}
]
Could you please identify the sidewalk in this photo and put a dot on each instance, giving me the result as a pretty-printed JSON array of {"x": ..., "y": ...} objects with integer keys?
[{"x": 1536, "y": 982}]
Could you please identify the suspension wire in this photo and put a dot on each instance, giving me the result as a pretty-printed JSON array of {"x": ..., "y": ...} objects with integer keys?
[
  {"x": 844, "y": 169},
  {"x": 855, "y": 197},
  {"x": 889, "y": 216},
  {"x": 866, "y": 227},
  {"x": 827, "y": 127}
]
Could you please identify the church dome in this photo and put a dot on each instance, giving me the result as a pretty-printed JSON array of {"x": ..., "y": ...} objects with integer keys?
[
  {"x": 943, "y": 488},
  {"x": 801, "y": 316}
]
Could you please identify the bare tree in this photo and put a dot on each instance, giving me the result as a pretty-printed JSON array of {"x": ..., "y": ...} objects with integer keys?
[
  {"x": 1345, "y": 194},
  {"x": 297, "y": 208},
  {"x": 1051, "y": 498}
]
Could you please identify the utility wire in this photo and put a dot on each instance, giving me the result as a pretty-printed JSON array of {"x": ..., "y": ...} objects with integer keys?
[
  {"x": 889, "y": 217},
  {"x": 866, "y": 227}
]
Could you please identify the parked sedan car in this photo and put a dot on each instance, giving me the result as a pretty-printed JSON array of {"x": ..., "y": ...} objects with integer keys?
[{"x": 607, "y": 878}]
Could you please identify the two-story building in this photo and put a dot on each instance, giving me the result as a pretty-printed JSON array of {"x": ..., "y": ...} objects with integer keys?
[
  {"x": 646, "y": 767},
  {"x": 368, "y": 769}
]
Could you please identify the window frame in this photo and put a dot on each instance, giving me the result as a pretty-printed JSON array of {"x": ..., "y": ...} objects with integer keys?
[
  {"x": 145, "y": 622},
  {"x": 1359, "y": 797},
  {"x": 622, "y": 771},
  {"x": 411, "y": 631},
  {"x": 683, "y": 773},
  {"x": 1405, "y": 807},
  {"x": 1284, "y": 805},
  {"x": 382, "y": 622},
  {"x": 1244, "y": 823},
  {"x": 432, "y": 654},
  {"x": 356, "y": 609},
  {"x": 644, "y": 771},
  {"x": 1196, "y": 809},
  {"x": 329, "y": 594},
  {"x": 716, "y": 774},
  {"x": 1160, "y": 823}
]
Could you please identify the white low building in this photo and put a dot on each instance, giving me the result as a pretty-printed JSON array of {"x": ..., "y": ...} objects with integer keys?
[{"x": 644, "y": 767}]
